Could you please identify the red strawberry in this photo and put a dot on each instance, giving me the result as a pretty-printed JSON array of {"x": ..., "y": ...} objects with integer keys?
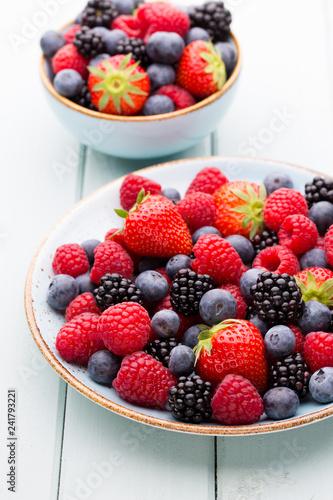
[
  {"x": 67, "y": 57},
  {"x": 328, "y": 245},
  {"x": 318, "y": 350},
  {"x": 298, "y": 233},
  {"x": 132, "y": 185},
  {"x": 143, "y": 380},
  {"x": 208, "y": 180},
  {"x": 154, "y": 228},
  {"x": 316, "y": 283},
  {"x": 81, "y": 304},
  {"x": 70, "y": 259},
  {"x": 236, "y": 402},
  {"x": 201, "y": 70},
  {"x": 277, "y": 259},
  {"x": 161, "y": 16},
  {"x": 280, "y": 204},
  {"x": 110, "y": 257},
  {"x": 181, "y": 97},
  {"x": 118, "y": 85},
  {"x": 239, "y": 206},
  {"x": 233, "y": 346},
  {"x": 197, "y": 210}
]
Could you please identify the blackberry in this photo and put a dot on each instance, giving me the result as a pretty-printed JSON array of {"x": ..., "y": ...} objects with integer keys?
[
  {"x": 84, "y": 98},
  {"x": 187, "y": 289},
  {"x": 99, "y": 13},
  {"x": 160, "y": 349},
  {"x": 267, "y": 238},
  {"x": 114, "y": 289},
  {"x": 277, "y": 299},
  {"x": 214, "y": 18},
  {"x": 190, "y": 400},
  {"x": 137, "y": 48},
  {"x": 291, "y": 371},
  {"x": 88, "y": 43},
  {"x": 320, "y": 189}
]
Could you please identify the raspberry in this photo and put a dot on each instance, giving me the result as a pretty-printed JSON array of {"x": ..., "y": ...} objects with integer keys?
[
  {"x": 119, "y": 238},
  {"x": 207, "y": 181},
  {"x": 70, "y": 33},
  {"x": 197, "y": 210},
  {"x": 143, "y": 380},
  {"x": 280, "y": 204},
  {"x": 131, "y": 186},
  {"x": 236, "y": 401},
  {"x": 68, "y": 58},
  {"x": 78, "y": 339},
  {"x": 217, "y": 257},
  {"x": 318, "y": 350},
  {"x": 185, "y": 323},
  {"x": 298, "y": 233},
  {"x": 129, "y": 24},
  {"x": 277, "y": 259},
  {"x": 84, "y": 303},
  {"x": 124, "y": 328},
  {"x": 180, "y": 96},
  {"x": 110, "y": 257},
  {"x": 70, "y": 259},
  {"x": 299, "y": 338},
  {"x": 160, "y": 16},
  {"x": 241, "y": 304},
  {"x": 320, "y": 243},
  {"x": 328, "y": 245}
]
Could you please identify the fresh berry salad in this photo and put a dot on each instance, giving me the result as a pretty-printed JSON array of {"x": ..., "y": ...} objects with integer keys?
[
  {"x": 216, "y": 306},
  {"x": 124, "y": 57}
]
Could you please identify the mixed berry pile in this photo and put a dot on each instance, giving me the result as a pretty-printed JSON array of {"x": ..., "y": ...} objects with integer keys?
[
  {"x": 125, "y": 57},
  {"x": 216, "y": 306}
]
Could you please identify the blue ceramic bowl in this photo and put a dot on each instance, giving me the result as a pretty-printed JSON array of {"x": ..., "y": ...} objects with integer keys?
[{"x": 142, "y": 136}]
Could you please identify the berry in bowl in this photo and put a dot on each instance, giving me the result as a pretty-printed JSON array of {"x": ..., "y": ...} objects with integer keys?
[{"x": 144, "y": 83}]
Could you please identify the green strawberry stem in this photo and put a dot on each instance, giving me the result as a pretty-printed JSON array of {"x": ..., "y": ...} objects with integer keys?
[
  {"x": 205, "y": 337},
  {"x": 140, "y": 199},
  {"x": 252, "y": 209},
  {"x": 215, "y": 65},
  {"x": 311, "y": 291}
]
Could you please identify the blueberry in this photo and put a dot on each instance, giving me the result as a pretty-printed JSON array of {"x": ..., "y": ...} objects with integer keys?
[
  {"x": 243, "y": 247},
  {"x": 181, "y": 362},
  {"x": 172, "y": 194},
  {"x": 103, "y": 366},
  {"x": 78, "y": 19},
  {"x": 111, "y": 40},
  {"x": 85, "y": 285},
  {"x": 68, "y": 82},
  {"x": 176, "y": 263},
  {"x": 165, "y": 47},
  {"x": 316, "y": 317},
  {"x": 280, "y": 341},
  {"x": 217, "y": 305},
  {"x": 89, "y": 247},
  {"x": 151, "y": 263},
  {"x": 321, "y": 214},
  {"x": 277, "y": 180},
  {"x": 158, "y": 105},
  {"x": 321, "y": 385},
  {"x": 228, "y": 54},
  {"x": 248, "y": 279},
  {"x": 196, "y": 33},
  {"x": 102, "y": 31},
  {"x": 190, "y": 337},
  {"x": 262, "y": 327},
  {"x": 62, "y": 290},
  {"x": 160, "y": 74},
  {"x": 153, "y": 285},
  {"x": 165, "y": 323},
  {"x": 314, "y": 258},
  {"x": 124, "y": 6},
  {"x": 204, "y": 230},
  {"x": 280, "y": 403},
  {"x": 97, "y": 59},
  {"x": 51, "y": 42}
]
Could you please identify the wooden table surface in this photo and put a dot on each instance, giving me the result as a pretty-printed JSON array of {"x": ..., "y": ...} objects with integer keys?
[{"x": 69, "y": 448}]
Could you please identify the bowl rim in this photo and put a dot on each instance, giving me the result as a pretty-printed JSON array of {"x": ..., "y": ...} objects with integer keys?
[
  {"x": 212, "y": 430},
  {"x": 166, "y": 116}
]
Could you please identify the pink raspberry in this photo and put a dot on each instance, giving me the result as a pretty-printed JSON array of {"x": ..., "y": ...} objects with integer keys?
[
  {"x": 280, "y": 204},
  {"x": 82, "y": 304},
  {"x": 110, "y": 257},
  {"x": 277, "y": 259},
  {"x": 298, "y": 233},
  {"x": 197, "y": 210},
  {"x": 70, "y": 259}
]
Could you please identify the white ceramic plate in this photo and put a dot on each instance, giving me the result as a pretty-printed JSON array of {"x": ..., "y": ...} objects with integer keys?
[{"x": 92, "y": 218}]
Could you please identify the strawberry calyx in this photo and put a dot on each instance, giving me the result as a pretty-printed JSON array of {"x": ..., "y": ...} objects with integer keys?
[
  {"x": 215, "y": 64},
  {"x": 252, "y": 209},
  {"x": 117, "y": 82},
  {"x": 311, "y": 291},
  {"x": 142, "y": 196},
  {"x": 205, "y": 337}
]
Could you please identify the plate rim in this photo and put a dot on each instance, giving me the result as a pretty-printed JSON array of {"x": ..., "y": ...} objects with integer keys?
[{"x": 212, "y": 430}]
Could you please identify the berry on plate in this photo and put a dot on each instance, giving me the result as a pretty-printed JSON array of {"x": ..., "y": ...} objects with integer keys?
[
  {"x": 277, "y": 259},
  {"x": 110, "y": 257},
  {"x": 208, "y": 180},
  {"x": 103, "y": 366},
  {"x": 62, "y": 290},
  {"x": 280, "y": 204},
  {"x": 197, "y": 210},
  {"x": 189, "y": 400},
  {"x": 291, "y": 371},
  {"x": 81, "y": 304},
  {"x": 298, "y": 233},
  {"x": 321, "y": 385},
  {"x": 318, "y": 350},
  {"x": 70, "y": 259},
  {"x": 280, "y": 403},
  {"x": 187, "y": 289}
]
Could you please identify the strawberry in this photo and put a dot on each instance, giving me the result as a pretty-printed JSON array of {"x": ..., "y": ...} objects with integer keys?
[
  {"x": 201, "y": 70},
  {"x": 154, "y": 228},
  {"x": 239, "y": 208},
  {"x": 316, "y": 283},
  {"x": 118, "y": 85},
  {"x": 233, "y": 346}
]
